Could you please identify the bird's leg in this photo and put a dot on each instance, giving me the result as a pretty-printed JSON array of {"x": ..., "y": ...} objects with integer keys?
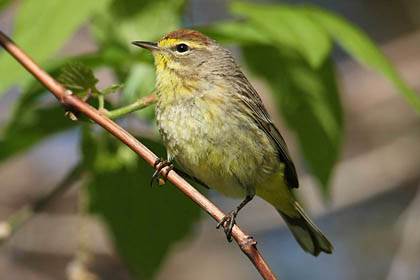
[
  {"x": 229, "y": 220},
  {"x": 161, "y": 163}
]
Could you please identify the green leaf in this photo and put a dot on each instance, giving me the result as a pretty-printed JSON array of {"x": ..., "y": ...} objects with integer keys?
[
  {"x": 88, "y": 147},
  {"x": 362, "y": 48},
  {"x": 78, "y": 78},
  {"x": 288, "y": 26},
  {"x": 145, "y": 222},
  {"x": 140, "y": 83},
  {"x": 147, "y": 21},
  {"x": 31, "y": 121},
  {"x": 4, "y": 3},
  {"x": 41, "y": 29},
  {"x": 104, "y": 154},
  {"x": 29, "y": 98},
  {"x": 235, "y": 32},
  {"x": 309, "y": 101},
  {"x": 32, "y": 126}
]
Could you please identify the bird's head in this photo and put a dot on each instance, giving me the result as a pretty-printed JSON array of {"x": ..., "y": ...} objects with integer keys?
[
  {"x": 185, "y": 51},
  {"x": 189, "y": 62}
]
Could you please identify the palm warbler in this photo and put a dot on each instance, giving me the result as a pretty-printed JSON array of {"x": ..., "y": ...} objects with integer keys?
[{"x": 215, "y": 126}]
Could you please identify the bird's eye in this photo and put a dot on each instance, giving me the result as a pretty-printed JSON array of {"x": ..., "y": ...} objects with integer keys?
[{"x": 182, "y": 48}]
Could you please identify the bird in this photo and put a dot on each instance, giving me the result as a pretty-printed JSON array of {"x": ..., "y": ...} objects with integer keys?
[{"x": 214, "y": 125}]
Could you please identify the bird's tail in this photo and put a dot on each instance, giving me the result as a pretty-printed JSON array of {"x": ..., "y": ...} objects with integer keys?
[{"x": 306, "y": 233}]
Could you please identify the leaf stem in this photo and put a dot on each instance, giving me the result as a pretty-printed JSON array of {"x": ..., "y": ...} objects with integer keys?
[
  {"x": 137, "y": 105},
  {"x": 101, "y": 102}
]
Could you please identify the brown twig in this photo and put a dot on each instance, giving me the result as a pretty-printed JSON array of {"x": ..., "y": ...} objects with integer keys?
[{"x": 65, "y": 96}]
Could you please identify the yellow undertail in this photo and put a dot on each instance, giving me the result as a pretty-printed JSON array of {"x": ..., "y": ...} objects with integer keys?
[{"x": 306, "y": 233}]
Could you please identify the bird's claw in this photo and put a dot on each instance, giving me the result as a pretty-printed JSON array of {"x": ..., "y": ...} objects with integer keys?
[
  {"x": 228, "y": 222},
  {"x": 159, "y": 164}
]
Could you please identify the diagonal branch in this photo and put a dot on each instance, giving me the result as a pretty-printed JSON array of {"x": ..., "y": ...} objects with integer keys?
[{"x": 66, "y": 97}]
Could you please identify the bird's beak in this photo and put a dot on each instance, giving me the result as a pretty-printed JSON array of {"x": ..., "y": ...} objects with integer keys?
[{"x": 147, "y": 45}]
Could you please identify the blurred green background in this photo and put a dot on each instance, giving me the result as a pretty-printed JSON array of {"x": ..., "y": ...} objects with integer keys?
[{"x": 324, "y": 71}]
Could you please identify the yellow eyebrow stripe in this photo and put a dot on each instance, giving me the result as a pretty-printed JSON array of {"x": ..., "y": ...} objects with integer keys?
[{"x": 173, "y": 42}]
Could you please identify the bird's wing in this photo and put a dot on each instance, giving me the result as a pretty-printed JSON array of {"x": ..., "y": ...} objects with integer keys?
[{"x": 252, "y": 100}]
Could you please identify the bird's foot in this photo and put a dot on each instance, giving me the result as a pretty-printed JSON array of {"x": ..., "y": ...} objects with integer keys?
[
  {"x": 228, "y": 222},
  {"x": 159, "y": 164}
]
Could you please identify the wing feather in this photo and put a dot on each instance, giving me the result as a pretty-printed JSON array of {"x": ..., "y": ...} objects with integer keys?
[{"x": 252, "y": 100}]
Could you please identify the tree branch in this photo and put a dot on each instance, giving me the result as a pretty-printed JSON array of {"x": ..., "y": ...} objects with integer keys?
[{"x": 65, "y": 96}]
